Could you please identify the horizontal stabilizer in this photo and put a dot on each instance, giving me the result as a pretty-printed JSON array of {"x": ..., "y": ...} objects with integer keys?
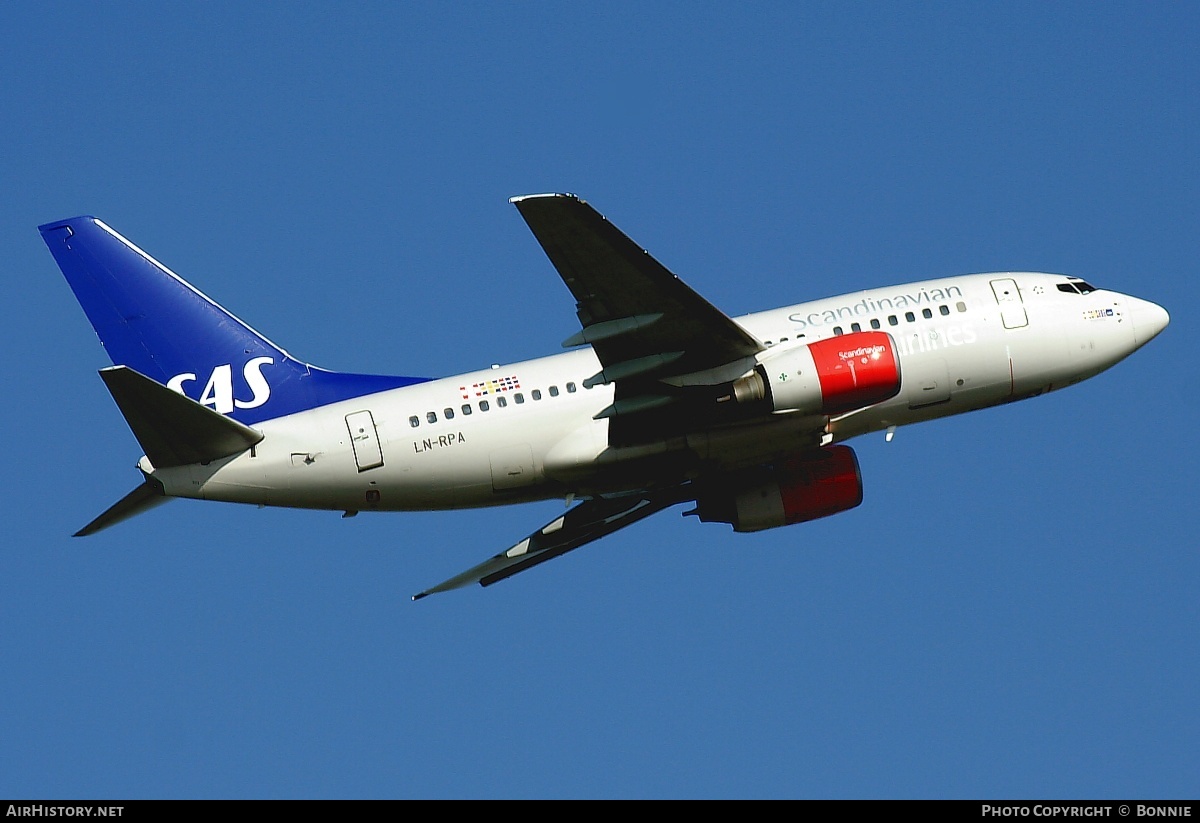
[
  {"x": 172, "y": 429},
  {"x": 143, "y": 498}
]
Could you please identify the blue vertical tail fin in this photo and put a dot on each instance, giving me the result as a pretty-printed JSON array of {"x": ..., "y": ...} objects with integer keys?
[{"x": 153, "y": 321}]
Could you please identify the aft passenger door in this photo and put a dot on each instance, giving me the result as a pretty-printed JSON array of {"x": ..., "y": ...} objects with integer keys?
[{"x": 365, "y": 440}]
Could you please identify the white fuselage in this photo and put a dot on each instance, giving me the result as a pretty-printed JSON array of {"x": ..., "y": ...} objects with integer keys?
[{"x": 527, "y": 431}]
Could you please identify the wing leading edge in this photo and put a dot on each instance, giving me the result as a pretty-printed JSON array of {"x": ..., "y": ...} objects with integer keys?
[{"x": 641, "y": 319}]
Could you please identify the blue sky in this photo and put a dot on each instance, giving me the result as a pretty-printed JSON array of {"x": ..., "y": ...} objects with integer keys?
[{"x": 1011, "y": 613}]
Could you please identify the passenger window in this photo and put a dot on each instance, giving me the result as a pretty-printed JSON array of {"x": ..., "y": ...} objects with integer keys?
[
  {"x": 431, "y": 417},
  {"x": 570, "y": 388},
  {"x": 483, "y": 405},
  {"x": 910, "y": 317},
  {"x": 837, "y": 330},
  {"x": 448, "y": 413},
  {"x": 875, "y": 323},
  {"x": 945, "y": 310},
  {"x": 855, "y": 327},
  {"x": 554, "y": 391},
  {"x": 926, "y": 313},
  {"x": 537, "y": 394},
  {"x": 501, "y": 401},
  {"x": 961, "y": 306},
  {"x": 414, "y": 421},
  {"x": 892, "y": 321},
  {"x": 519, "y": 398},
  {"x": 466, "y": 408}
]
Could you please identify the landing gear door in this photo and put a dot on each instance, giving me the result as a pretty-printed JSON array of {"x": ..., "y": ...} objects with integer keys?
[
  {"x": 365, "y": 440},
  {"x": 1008, "y": 298}
]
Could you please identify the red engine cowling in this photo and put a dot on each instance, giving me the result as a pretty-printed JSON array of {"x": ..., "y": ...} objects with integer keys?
[
  {"x": 856, "y": 370},
  {"x": 813, "y": 485},
  {"x": 850, "y": 371}
]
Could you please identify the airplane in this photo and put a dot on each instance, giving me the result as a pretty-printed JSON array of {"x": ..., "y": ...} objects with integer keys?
[{"x": 661, "y": 399}]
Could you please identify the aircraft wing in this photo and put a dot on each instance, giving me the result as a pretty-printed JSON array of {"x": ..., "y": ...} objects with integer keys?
[
  {"x": 642, "y": 320},
  {"x": 590, "y": 520}
]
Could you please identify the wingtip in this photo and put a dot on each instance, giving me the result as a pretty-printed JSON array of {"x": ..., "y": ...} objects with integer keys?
[{"x": 546, "y": 195}]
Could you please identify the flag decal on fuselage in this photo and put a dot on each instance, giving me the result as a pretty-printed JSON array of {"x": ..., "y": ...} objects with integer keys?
[{"x": 487, "y": 387}]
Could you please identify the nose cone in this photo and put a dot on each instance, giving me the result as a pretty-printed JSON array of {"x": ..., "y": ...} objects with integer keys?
[{"x": 1148, "y": 319}]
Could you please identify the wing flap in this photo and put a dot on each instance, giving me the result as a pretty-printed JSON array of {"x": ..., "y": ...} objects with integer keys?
[{"x": 588, "y": 521}]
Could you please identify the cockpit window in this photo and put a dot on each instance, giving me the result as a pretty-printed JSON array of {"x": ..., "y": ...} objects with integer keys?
[{"x": 1077, "y": 285}]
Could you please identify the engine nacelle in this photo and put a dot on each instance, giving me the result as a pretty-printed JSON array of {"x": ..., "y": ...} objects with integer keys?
[
  {"x": 816, "y": 484},
  {"x": 839, "y": 374}
]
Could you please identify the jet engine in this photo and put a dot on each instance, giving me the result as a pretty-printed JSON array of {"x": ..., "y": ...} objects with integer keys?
[
  {"x": 812, "y": 485},
  {"x": 838, "y": 374}
]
